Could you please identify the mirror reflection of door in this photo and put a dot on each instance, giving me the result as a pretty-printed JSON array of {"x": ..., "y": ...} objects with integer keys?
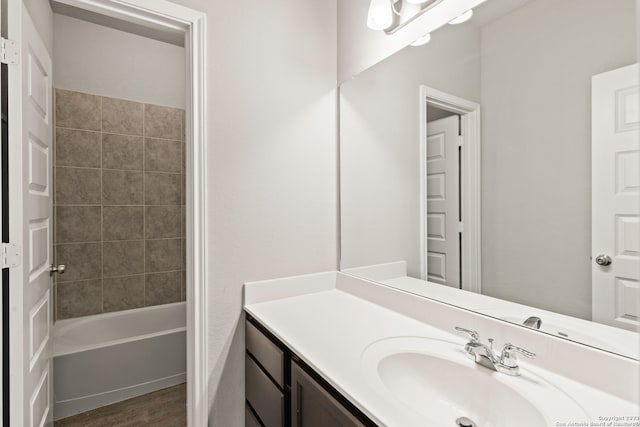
[
  {"x": 615, "y": 190},
  {"x": 444, "y": 234}
]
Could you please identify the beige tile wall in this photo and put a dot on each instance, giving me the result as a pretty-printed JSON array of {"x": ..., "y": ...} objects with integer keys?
[{"x": 119, "y": 204}]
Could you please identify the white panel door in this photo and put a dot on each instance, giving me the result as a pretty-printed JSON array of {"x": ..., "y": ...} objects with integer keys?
[
  {"x": 443, "y": 192},
  {"x": 31, "y": 222},
  {"x": 616, "y": 192}
]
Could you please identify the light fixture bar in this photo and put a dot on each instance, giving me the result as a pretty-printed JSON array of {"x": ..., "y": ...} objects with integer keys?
[
  {"x": 410, "y": 11},
  {"x": 462, "y": 18},
  {"x": 421, "y": 41}
]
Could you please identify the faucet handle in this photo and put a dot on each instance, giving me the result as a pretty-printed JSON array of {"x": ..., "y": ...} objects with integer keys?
[
  {"x": 508, "y": 357},
  {"x": 473, "y": 334}
]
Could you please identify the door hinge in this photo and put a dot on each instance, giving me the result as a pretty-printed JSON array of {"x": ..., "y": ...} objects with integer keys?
[
  {"x": 9, "y": 52},
  {"x": 11, "y": 255},
  {"x": 460, "y": 227}
]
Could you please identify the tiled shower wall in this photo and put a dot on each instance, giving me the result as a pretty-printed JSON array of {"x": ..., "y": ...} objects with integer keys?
[{"x": 119, "y": 204}]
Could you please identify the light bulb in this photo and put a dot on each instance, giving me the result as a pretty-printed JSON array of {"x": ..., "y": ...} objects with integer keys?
[
  {"x": 380, "y": 15},
  {"x": 422, "y": 40},
  {"x": 462, "y": 18}
]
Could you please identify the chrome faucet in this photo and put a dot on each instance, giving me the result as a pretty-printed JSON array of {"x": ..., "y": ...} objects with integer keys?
[
  {"x": 506, "y": 362},
  {"x": 533, "y": 322}
]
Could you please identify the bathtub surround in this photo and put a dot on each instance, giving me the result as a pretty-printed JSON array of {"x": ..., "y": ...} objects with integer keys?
[
  {"x": 142, "y": 352},
  {"x": 119, "y": 204}
]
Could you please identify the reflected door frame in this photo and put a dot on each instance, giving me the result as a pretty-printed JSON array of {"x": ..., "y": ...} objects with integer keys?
[{"x": 470, "y": 182}]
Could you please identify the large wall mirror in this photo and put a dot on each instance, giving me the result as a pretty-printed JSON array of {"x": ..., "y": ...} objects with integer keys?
[{"x": 496, "y": 168}]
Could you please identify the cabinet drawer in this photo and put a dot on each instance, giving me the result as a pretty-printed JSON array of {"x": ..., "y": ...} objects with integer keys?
[
  {"x": 263, "y": 395},
  {"x": 270, "y": 356}
]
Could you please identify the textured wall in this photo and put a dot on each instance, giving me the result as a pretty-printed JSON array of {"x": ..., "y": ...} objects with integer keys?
[{"x": 119, "y": 204}]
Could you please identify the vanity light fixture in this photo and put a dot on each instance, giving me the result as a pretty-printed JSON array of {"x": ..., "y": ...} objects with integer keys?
[
  {"x": 391, "y": 15},
  {"x": 462, "y": 18},
  {"x": 381, "y": 15},
  {"x": 422, "y": 40}
]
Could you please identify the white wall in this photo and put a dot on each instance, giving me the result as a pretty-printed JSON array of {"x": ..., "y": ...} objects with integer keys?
[
  {"x": 379, "y": 153},
  {"x": 99, "y": 60},
  {"x": 272, "y": 164},
  {"x": 537, "y": 65},
  {"x": 360, "y": 48}
]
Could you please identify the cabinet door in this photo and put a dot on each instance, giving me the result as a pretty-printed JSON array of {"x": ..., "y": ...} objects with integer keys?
[
  {"x": 312, "y": 406},
  {"x": 250, "y": 419}
]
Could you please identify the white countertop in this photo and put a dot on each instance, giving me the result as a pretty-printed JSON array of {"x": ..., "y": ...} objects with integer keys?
[{"x": 330, "y": 319}]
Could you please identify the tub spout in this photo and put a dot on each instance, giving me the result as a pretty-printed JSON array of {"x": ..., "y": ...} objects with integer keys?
[{"x": 533, "y": 322}]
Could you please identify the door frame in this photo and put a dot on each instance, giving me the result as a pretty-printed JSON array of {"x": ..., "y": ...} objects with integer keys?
[
  {"x": 470, "y": 180},
  {"x": 169, "y": 17}
]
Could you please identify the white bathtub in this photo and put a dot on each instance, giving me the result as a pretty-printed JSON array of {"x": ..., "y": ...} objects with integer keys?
[{"x": 106, "y": 358}]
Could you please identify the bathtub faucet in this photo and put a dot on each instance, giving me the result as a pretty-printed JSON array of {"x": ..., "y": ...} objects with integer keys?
[{"x": 533, "y": 322}]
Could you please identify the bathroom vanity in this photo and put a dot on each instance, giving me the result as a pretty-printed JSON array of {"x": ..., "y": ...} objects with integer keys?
[
  {"x": 282, "y": 390},
  {"x": 335, "y": 349}
]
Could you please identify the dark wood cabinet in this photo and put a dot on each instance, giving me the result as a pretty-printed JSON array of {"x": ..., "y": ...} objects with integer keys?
[
  {"x": 282, "y": 391},
  {"x": 313, "y": 406},
  {"x": 266, "y": 399},
  {"x": 250, "y": 418}
]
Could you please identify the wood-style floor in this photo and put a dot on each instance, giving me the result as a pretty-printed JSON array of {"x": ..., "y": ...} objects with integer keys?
[{"x": 166, "y": 408}]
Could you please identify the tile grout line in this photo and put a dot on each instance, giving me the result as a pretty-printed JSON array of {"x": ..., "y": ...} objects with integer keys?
[
  {"x": 101, "y": 211},
  {"x": 54, "y": 206},
  {"x": 182, "y": 196},
  {"x": 78, "y": 205},
  {"x": 121, "y": 134},
  {"x": 87, "y": 279},
  {"x": 120, "y": 170},
  {"x": 144, "y": 209},
  {"x": 118, "y": 99},
  {"x": 118, "y": 241}
]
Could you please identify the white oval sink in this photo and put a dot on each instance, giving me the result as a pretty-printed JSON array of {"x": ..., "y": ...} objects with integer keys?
[{"x": 439, "y": 384}]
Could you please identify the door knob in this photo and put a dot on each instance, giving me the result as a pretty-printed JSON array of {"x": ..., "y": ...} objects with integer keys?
[
  {"x": 60, "y": 269},
  {"x": 603, "y": 260}
]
